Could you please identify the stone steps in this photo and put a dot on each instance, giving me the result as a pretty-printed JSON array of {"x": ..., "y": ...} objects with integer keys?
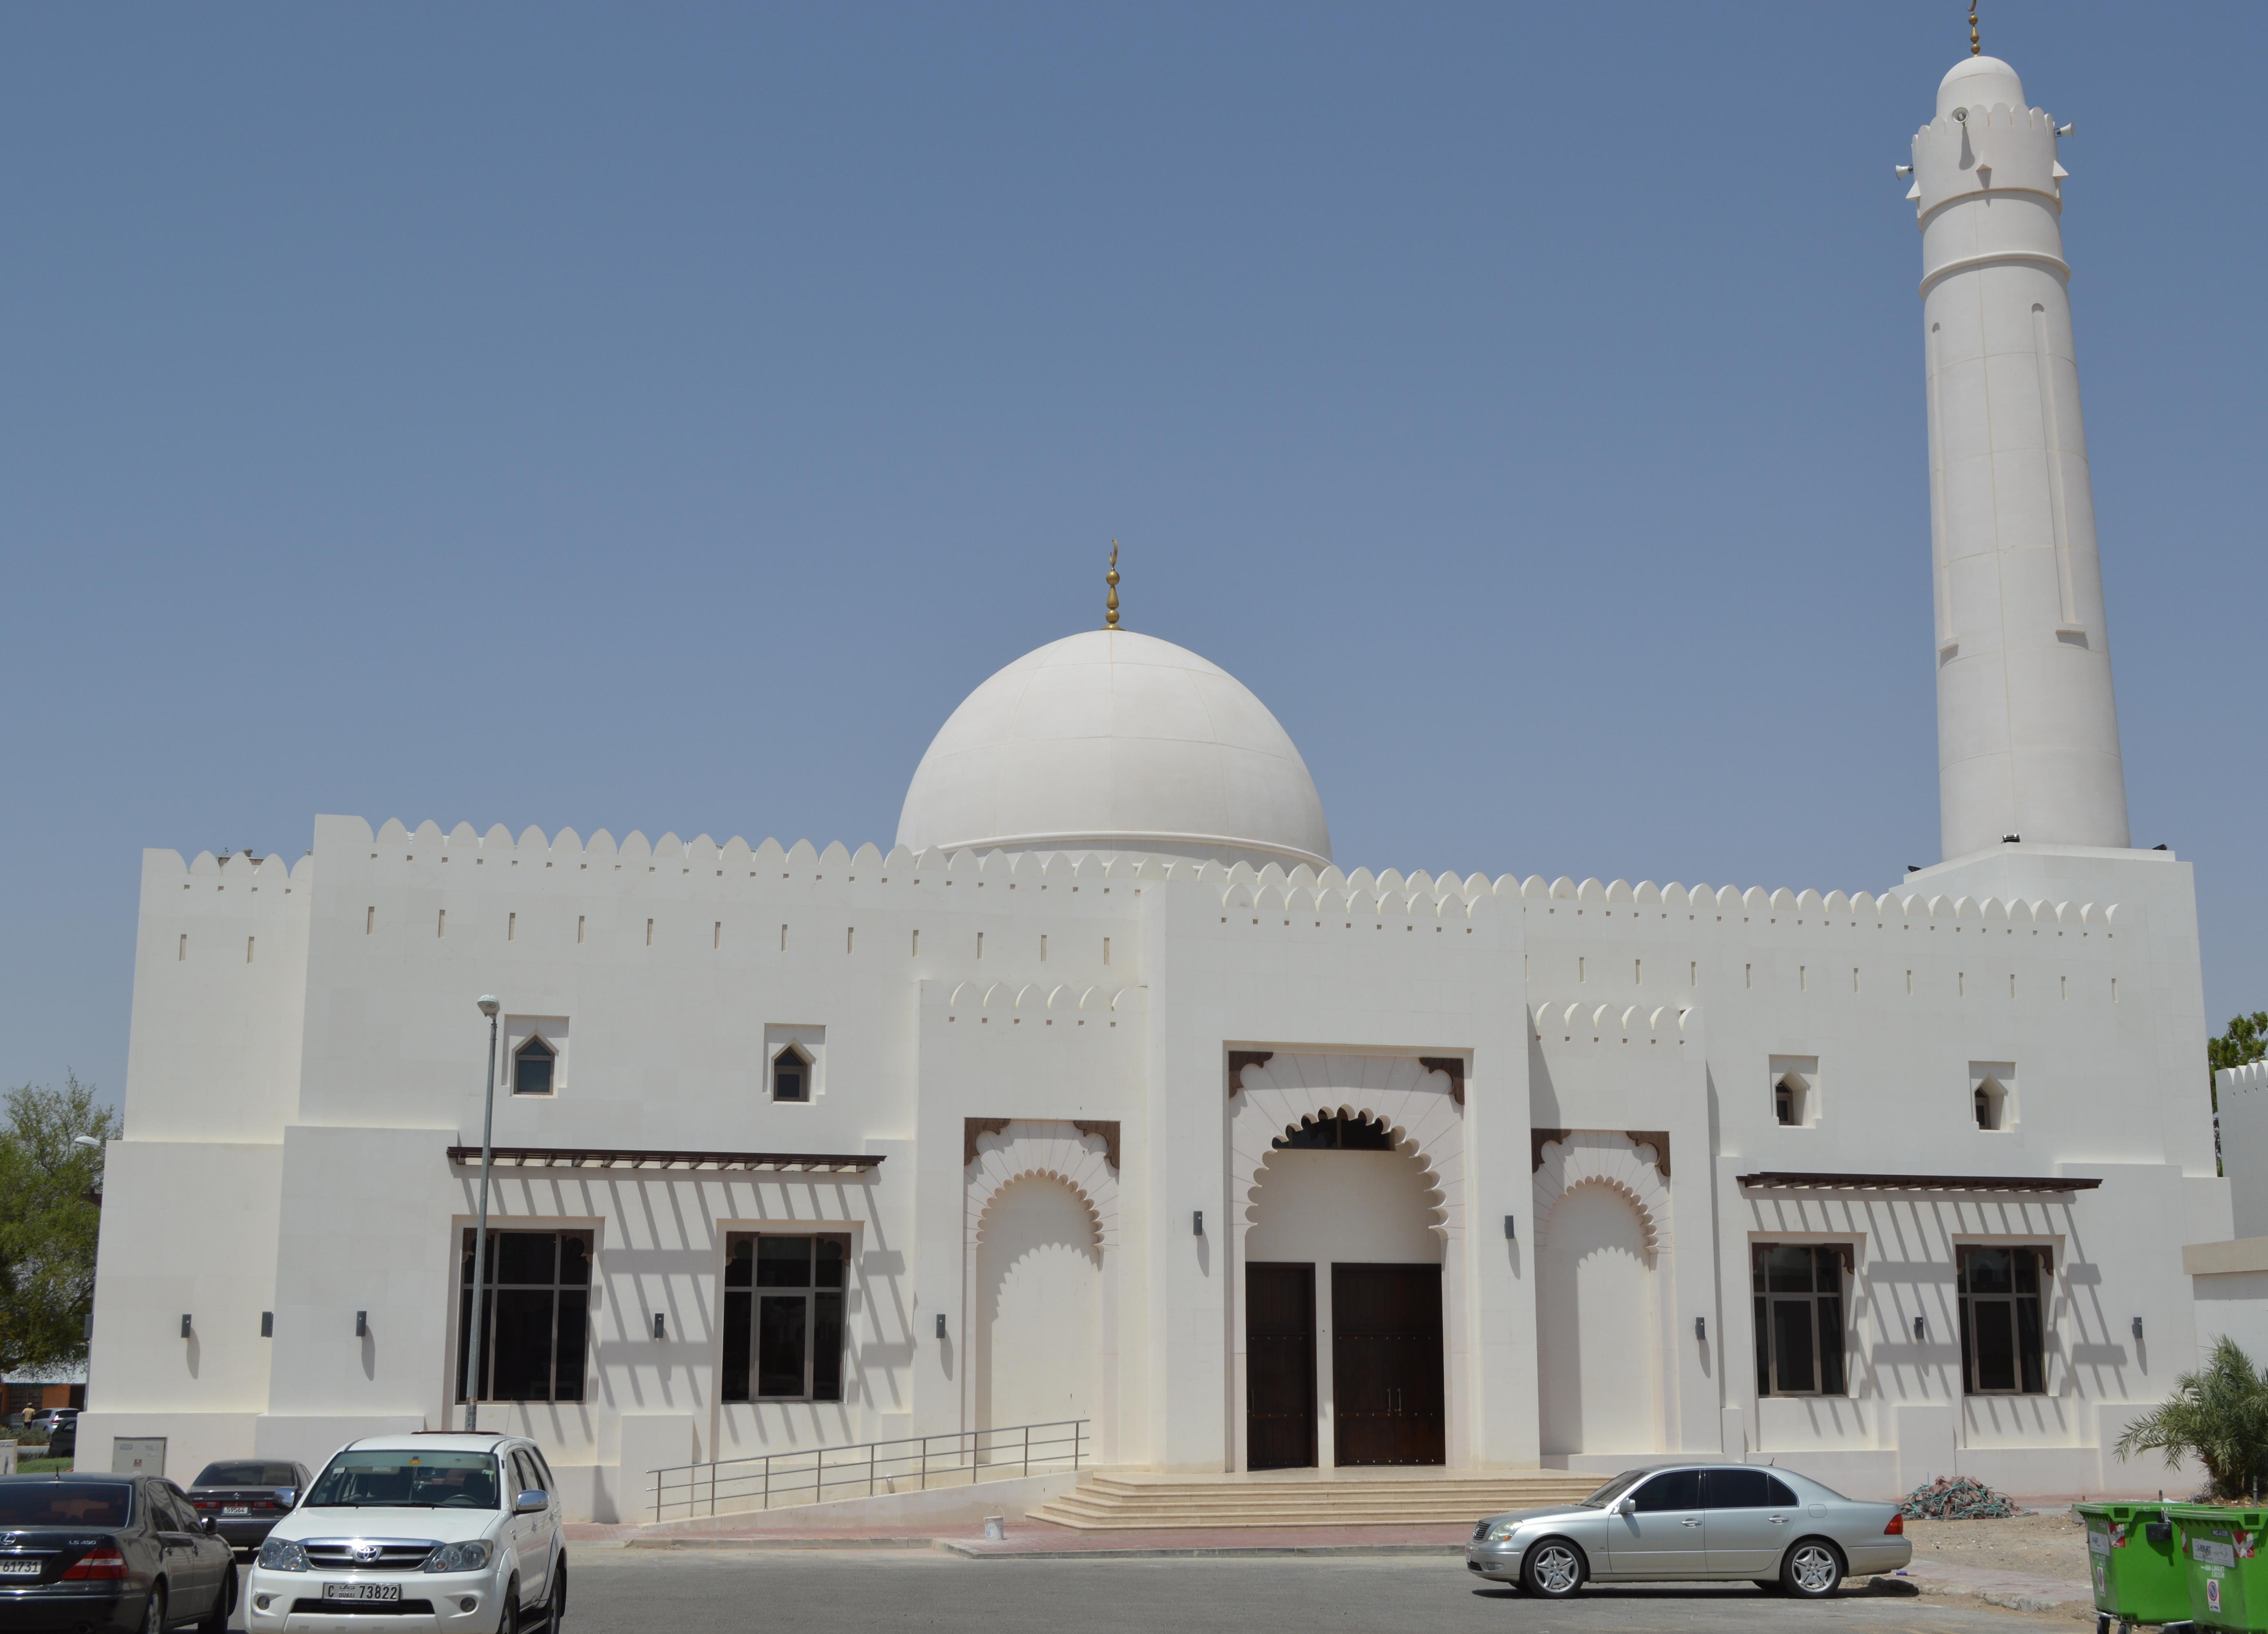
[{"x": 1127, "y": 1500}]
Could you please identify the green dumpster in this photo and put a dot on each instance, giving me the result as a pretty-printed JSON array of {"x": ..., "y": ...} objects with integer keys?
[
  {"x": 2227, "y": 1568},
  {"x": 2135, "y": 1563}
]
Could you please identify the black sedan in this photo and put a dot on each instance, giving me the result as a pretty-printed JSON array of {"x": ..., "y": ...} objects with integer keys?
[
  {"x": 125, "y": 1553},
  {"x": 246, "y": 1498}
]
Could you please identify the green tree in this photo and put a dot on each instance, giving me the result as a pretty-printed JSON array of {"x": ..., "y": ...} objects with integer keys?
[
  {"x": 2217, "y": 1414},
  {"x": 2246, "y": 1040},
  {"x": 48, "y": 1221}
]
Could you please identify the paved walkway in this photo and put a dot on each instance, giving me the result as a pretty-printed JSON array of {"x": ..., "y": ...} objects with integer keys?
[{"x": 1040, "y": 1541}]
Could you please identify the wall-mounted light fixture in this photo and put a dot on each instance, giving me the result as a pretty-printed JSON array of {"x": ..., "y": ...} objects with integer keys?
[
  {"x": 1701, "y": 1329},
  {"x": 1919, "y": 1331},
  {"x": 2138, "y": 1330},
  {"x": 661, "y": 1326},
  {"x": 362, "y": 1324},
  {"x": 940, "y": 1324},
  {"x": 184, "y": 1326},
  {"x": 1196, "y": 1224},
  {"x": 1510, "y": 1233},
  {"x": 267, "y": 1324}
]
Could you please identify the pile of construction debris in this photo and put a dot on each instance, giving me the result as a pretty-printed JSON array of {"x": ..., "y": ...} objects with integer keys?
[{"x": 1956, "y": 1498}]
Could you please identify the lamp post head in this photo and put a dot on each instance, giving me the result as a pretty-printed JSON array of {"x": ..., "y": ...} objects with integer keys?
[
  {"x": 88, "y": 1141},
  {"x": 489, "y": 1005}
]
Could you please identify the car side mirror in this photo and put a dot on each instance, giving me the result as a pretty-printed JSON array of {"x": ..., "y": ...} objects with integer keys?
[
  {"x": 286, "y": 1497},
  {"x": 207, "y": 1524},
  {"x": 1628, "y": 1506},
  {"x": 532, "y": 1502}
]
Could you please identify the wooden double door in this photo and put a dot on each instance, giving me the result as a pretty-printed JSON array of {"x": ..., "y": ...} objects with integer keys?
[{"x": 1388, "y": 1402}]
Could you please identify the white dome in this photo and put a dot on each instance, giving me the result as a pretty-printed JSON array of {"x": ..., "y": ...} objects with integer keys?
[{"x": 1108, "y": 741}]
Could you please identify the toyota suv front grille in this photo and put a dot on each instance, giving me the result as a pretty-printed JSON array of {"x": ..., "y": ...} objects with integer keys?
[{"x": 367, "y": 1554}]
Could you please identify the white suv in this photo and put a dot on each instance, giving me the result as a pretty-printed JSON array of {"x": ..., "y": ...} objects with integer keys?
[{"x": 439, "y": 1532}]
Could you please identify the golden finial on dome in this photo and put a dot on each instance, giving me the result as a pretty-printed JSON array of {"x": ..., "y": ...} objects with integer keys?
[
  {"x": 1975, "y": 46},
  {"x": 1110, "y": 613}
]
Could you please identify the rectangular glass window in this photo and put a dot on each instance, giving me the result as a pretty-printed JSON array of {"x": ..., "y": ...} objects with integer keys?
[
  {"x": 784, "y": 1317},
  {"x": 535, "y": 1329},
  {"x": 2003, "y": 1319},
  {"x": 1799, "y": 1314}
]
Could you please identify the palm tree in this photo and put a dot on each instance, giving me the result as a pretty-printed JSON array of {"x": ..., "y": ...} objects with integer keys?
[{"x": 2219, "y": 1414}]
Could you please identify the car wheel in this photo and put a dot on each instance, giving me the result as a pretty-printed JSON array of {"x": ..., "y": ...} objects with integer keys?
[
  {"x": 1554, "y": 1569},
  {"x": 1812, "y": 1569},
  {"x": 556, "y": 1602},
  {"x": 216, "y": 1621},
  {"x": 153, "y": 1615},
  {"x": 508, "y": 1618}
]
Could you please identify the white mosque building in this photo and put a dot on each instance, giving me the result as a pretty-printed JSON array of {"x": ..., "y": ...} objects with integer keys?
[{"x": 1107, "y": 1093}]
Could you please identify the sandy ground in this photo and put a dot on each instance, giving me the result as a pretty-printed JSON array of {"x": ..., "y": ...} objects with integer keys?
[{"x": 2050, "y": 1544}]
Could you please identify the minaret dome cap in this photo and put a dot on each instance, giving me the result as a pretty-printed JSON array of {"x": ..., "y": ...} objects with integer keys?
[{"x": 1979, "y": 82}]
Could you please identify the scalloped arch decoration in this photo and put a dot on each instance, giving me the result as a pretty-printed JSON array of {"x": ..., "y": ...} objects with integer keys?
[
  {"x": 1414, "y": 1103},
  {"x": 1044, "y": 1149},
  {"x": 1593, "y": 1157}
]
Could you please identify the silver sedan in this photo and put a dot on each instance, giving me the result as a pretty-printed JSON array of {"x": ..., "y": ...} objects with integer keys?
[{"x": 1773, "y": 1526}]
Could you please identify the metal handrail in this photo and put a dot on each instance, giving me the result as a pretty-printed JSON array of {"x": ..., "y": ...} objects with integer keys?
[{"x": 806, "y": 1475}]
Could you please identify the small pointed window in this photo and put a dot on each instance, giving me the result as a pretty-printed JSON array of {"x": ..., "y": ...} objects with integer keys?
[
  {"x": 790, "y": 1075},
  {"x": 533, "y": 1064}
]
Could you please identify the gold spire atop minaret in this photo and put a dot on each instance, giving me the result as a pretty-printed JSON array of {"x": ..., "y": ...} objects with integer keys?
[
  {"x": 1110, "y": 612},
  {"x": 1975, "y": 46}
]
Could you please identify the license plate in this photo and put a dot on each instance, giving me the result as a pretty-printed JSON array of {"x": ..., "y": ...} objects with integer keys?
[
  {"x": 362, "y": 1591},
  {"x": 20, "y": 1568},
  {"x": 236, "y": 1509}
]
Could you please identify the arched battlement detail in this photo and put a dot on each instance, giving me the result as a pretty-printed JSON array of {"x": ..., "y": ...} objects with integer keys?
[{"x": 1593, "y": 1157}]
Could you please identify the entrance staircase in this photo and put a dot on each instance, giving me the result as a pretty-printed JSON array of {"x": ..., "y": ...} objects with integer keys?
[{"x": 1120, "y": 1499}]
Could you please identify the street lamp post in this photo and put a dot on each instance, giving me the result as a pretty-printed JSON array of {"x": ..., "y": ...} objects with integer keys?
[{"x": 473, "y": 1381}]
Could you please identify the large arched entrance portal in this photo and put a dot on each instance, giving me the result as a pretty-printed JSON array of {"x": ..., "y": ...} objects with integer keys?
[{"x": 1342, "y": 1303}]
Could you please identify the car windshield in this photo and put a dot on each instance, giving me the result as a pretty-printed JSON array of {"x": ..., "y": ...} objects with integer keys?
[
  {"x": 1614, "y": 1488},
  {"x": 30, "y": 1503},
  {"x": 406, "y": 1480},
  {"x": 248, "y": 1475}
]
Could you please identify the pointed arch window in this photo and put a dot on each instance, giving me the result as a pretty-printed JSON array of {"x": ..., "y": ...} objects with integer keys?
[
  {"x": 534, "y": 1066},
  {"x": 791, "y": 1075}
]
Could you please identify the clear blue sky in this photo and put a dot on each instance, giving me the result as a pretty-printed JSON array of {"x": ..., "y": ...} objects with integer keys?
[{"x": 658, "y": 417}]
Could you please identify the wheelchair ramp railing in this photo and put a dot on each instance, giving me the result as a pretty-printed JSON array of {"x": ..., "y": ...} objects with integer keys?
[{"x": 918, "y": 1463}]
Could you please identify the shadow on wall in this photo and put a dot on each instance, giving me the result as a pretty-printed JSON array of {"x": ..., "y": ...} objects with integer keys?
[
  {"x": 1034, "y": 1341},
  {"x": 1596, "y": 1321}
]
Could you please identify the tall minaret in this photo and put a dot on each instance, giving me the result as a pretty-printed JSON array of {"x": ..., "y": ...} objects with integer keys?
[{"x": 2027, "y": 731}]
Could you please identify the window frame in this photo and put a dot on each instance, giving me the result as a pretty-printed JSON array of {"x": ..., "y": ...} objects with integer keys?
[
  {"x": 807, "y": 1071},
  {"x": 492, "y": 1285},
  {"x": 536, "y": 1040},
  {"x": 2041, "y": 1300},
  {"x": 1764, "y": 1297},
  {"x": 740, "y": 1379}
]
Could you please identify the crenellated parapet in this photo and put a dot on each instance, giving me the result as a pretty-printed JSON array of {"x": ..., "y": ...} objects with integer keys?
[
  {"x": 1995, "y": 150},
  {"x": 1025, "y": 881}
]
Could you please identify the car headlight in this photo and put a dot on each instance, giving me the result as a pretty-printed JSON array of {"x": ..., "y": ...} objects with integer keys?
[
  {"x": 467, "y": 1557},
  {"x": 1502, "y": 1530},
  {"x": 281, "y": 1554}
]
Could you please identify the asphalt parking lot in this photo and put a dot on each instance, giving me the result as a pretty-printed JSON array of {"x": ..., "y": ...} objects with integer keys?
[{"x": 713, "y": 1590}]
